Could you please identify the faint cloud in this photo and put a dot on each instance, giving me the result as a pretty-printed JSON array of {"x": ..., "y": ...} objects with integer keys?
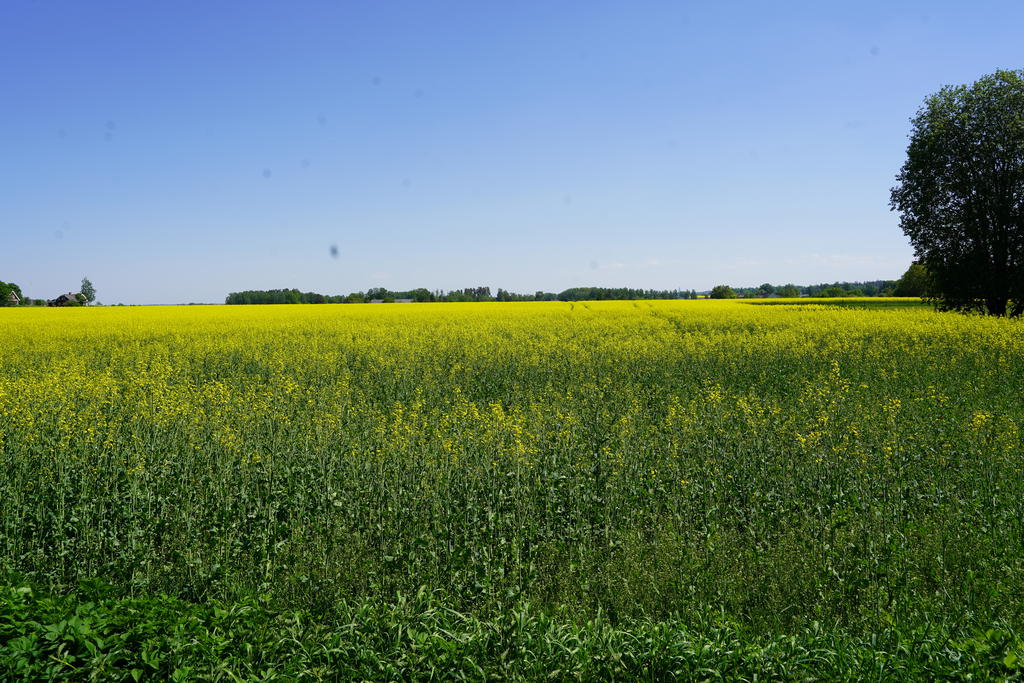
[
  {"x": 653, "y": 262},
  {"x": 659, "y": 262}
]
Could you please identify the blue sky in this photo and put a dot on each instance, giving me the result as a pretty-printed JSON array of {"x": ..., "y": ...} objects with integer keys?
[{"x": 175, "y": 152}]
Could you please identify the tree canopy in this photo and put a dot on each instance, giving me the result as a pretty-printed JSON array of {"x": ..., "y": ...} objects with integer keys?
[
  {"x": 483, "y": 293},
  {"x": 6, "y": 289},
  {"x": 722, "y": 292},
  {"x": 960, "y": 194},
  {"x": 88, "y": 292},
  {"x": 915, "y": 282}
]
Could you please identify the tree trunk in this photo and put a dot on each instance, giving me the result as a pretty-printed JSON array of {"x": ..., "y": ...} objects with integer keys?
[{"x": 996, "y": 305}]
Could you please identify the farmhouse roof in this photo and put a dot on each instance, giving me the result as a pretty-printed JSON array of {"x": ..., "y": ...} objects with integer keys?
[{"x": 62, "y": 299}]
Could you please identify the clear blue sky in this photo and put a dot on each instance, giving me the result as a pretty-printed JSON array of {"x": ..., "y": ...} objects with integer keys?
[{"x": 177, "y": 151}]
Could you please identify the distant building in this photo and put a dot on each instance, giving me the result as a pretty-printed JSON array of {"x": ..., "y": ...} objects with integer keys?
[
  {"x": 13, "y": 298},
  {"x": 376, "y": 301},
  {"x": 404, "y": 301},
  {"x": 64, "y": 300}
]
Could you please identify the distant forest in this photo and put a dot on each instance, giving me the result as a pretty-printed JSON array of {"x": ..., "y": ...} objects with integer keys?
[{"x": 381, "y": 295}]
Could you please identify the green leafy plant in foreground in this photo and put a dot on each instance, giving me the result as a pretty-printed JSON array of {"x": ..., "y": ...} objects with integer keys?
[{"x": 88, "y": 635}]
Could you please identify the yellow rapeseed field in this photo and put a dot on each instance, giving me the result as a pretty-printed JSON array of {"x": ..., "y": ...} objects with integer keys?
[{"x": 780, "y": 463}]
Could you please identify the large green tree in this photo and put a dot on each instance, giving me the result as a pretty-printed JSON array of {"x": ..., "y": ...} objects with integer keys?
[
  {"x": 722, "y": 292},
  {"x": 960, "y": 194},
  {"x": 6, "y": 289}
]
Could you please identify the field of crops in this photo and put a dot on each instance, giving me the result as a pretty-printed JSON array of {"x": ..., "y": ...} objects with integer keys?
[{"x": 786, "y": 474}]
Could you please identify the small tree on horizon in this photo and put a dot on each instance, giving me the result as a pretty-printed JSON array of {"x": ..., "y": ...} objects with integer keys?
[{"x": 87, "y": 291}]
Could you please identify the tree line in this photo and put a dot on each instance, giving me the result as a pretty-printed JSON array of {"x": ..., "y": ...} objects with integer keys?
[
  {"x": 835, "y": 289},
  {"x": 422, "y": 295},
  {"x": 908, "y": 285}
]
